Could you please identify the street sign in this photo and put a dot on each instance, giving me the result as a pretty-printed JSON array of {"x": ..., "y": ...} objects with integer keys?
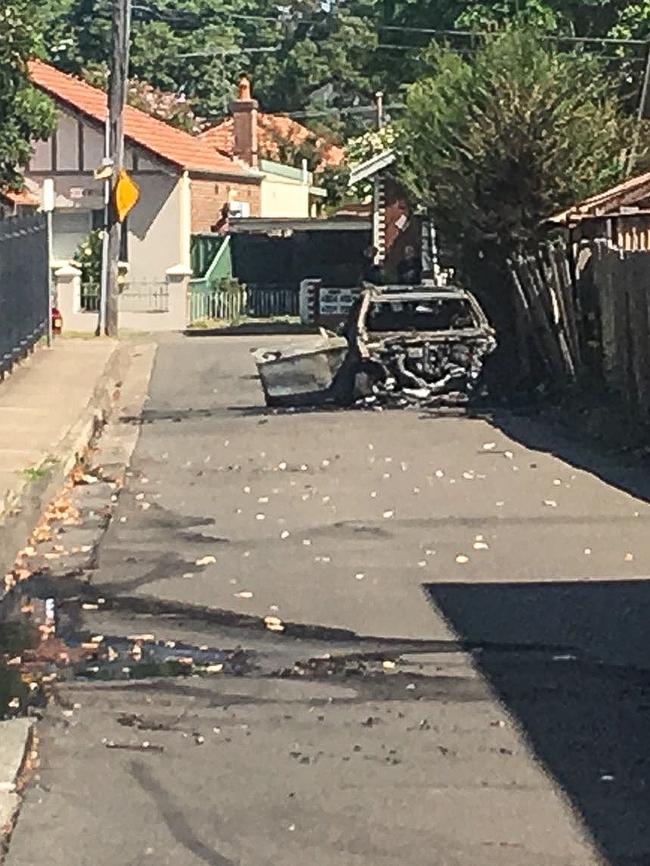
[{"x": 126, "y": 195}]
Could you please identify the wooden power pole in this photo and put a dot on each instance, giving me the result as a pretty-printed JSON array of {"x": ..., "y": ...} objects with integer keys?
[{"x": 121, "y": 35}]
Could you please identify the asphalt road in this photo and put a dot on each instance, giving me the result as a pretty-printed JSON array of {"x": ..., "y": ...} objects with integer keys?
[{"x": 478, "y": 585}]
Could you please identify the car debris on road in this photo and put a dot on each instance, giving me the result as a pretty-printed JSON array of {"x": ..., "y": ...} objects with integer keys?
[{"x": 419, "y": 346}]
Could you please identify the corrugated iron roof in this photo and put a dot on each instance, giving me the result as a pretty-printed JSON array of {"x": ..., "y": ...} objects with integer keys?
[
  {"x": 173, "y": 145},
  {"x": 627, "y": 193}
]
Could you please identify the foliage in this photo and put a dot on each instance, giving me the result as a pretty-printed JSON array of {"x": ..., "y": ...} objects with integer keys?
[
  {"x": 197, "y": 48},
  {"x": 495, "y": 146},
  {"x": 25, "y": 115},
  {"x": 230, "y": 286},
  {"x": 324, "y": 60},
  {"x": 173, "y": 108},
  {"x": 89, "y": 258}
]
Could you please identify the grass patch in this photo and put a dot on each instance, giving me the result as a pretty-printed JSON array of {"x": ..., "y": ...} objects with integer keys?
[{"x": 35, "y": 473}]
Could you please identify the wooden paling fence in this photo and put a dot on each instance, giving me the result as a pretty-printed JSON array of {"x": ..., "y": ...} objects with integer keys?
[
  {"x": 547, "y": 310},
  {"x": 587, "y": 316}
]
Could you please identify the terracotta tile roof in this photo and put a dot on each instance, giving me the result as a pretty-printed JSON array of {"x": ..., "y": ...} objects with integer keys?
[
  {"x": 23, "y": 197},
  {"x": 170, "y": 144},
  {"x": 272, "y": 128},
  {"x": 626, "y": 194}
]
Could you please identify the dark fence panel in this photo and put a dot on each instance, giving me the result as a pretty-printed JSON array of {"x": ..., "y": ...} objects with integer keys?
[
  {"x": 23, "y": 287},
  {"x": 266, "y": 301}
]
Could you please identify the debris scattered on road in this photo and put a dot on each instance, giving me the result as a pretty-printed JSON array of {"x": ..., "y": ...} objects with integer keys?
[
  {"x": 243, "y": 594},
  {"x": 462, "y": 559},
  {"x": 274, "y": 623},
  {"x": 360, "y": 575},
  {"x": 550, "y": 503},
  {"x": 145, "y": 746},
  {"x": 629, "y": 557},
  {"x": 206, "y": 560},
  {"x": 489, "y": 446}
]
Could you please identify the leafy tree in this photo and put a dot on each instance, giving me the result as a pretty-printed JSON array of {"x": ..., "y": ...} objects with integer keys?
[
  {"x": 25, "y": 115},
  {"x": 494, "y": 146},
  {"x": 298, "y": 56}
]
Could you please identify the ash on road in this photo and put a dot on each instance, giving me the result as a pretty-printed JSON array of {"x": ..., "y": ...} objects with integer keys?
[{"x": 474, "y": 688}]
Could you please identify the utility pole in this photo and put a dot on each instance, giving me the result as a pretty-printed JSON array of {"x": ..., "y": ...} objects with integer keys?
[
  {"x": 379, "y": 102},
  {"x": 121, "y": 34}
]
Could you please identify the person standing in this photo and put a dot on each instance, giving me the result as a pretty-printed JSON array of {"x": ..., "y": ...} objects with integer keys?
[{"x": 409, "y": 270}]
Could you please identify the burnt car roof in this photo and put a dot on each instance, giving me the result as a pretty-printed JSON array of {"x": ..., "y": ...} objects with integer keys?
[{"x": 420, "y": 295}]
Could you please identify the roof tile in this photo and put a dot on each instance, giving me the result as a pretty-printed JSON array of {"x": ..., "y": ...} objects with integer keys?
[
  {"x": 159, "y": 138},
  {"x": 272, "y": 129}
]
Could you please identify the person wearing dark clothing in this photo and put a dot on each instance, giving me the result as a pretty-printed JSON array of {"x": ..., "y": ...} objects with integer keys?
[
  {"x": 409, "y": 270},
  {"x": 371, "y": 272}
]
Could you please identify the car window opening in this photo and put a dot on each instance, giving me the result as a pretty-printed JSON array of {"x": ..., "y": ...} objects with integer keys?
[{"x": 434, "y": 315}]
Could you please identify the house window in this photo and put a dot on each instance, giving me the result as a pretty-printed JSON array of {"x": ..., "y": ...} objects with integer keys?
[
  {"x": 70, "y": 228},
  {"x": 98, "y": 223},
  {"x": 98, "y": 218}
]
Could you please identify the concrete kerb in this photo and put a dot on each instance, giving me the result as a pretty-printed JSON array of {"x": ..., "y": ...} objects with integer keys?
[
  {"x": 20, "y": 510},
  {"x": 16, "y": 738},
  {"x": 253, "y": 330}
]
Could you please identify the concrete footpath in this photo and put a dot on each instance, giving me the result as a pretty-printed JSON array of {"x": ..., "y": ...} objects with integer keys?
[{"x": 48, "y": 410}]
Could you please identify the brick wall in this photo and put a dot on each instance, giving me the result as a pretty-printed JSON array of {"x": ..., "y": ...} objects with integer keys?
[{"x": 209, "y": 196}]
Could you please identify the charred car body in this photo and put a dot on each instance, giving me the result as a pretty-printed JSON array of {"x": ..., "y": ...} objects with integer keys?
[{"x": 419, "y": 346}]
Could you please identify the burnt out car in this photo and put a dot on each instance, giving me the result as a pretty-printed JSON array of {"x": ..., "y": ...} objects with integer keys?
[{"x": 422, "y": 345}]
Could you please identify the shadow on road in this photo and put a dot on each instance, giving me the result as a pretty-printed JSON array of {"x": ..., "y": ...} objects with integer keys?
[
  {"x": 586, "y": 712},
  {"x": 533, "y": 433}
]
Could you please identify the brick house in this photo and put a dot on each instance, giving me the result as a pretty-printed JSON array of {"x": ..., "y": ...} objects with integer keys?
[
  {"x": 185, "y": 185},
  {"x": 263, "y": 142}
]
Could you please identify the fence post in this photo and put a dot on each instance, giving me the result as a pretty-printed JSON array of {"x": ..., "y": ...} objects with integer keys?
[
  {"x": 68, "y": 292},
  {"x": 178, "y": 283}
]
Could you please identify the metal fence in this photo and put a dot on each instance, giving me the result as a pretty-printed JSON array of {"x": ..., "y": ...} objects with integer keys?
[
  {"x": 137, "y": 297},
  {"x": 225, "y": 306},
  {"x": 263, "y": 302},
  {"x": 145, "y": 297},
  {"x": 24, "y": 289},
  {"x": 254, "y": 302},
  {"x": 90, "y": 294}
]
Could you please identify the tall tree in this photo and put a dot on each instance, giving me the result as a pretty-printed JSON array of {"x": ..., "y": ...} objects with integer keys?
[
  {"x": 25, "y": 115},
  {"x": 494, "y": 146}
]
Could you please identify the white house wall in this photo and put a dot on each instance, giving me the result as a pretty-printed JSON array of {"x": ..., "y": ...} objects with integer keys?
[
  {"x": 69, "y": 158},
  {"x": 154, "y": 228},
  {"x": 283, "y": 197}
]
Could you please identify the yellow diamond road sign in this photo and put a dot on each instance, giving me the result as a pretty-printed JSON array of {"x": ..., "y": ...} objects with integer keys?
[{"x": 126, "y": 195}]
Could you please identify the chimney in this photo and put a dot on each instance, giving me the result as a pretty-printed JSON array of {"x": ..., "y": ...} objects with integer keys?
[{"x": 244, "y": 115}]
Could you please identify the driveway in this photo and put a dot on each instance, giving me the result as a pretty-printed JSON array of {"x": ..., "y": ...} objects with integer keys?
[{"x": 462, "y": 677}]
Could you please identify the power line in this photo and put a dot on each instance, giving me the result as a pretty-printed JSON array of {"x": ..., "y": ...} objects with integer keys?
[
  {"x": 401, "y": 47},
  {"x": 599, "y": 40},
  {"x": 398, "y": 28}
]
